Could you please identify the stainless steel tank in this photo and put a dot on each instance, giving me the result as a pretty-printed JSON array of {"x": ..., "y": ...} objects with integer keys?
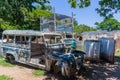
[
  {"x": 107, "y": 49},
  {"x": 92, "y": 50}
]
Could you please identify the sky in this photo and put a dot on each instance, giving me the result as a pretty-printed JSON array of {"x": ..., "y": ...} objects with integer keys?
[{"x": 86, "y": 16}]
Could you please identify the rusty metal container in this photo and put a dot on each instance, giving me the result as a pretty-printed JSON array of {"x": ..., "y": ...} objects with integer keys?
[
  {"x": 107, "y": 50},
  {"x": 92, "y": 50}
]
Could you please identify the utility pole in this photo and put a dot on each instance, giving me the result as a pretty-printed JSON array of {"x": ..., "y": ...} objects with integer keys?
[
  {"x": 54, "y": 19},
  {"x": 73, "y": 24},
  {"x": 40, "y": 24}
]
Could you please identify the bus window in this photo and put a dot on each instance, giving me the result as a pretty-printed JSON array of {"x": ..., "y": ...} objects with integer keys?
[
  {"x": 9, "y": 38},
  {"x": 22, "y": 42},
  {"x": 40, "y": 40},
  {"x": 37, "y": 39},
  {"x": 22, "y": 39},
  {"x": 58, "y": 39},
  {"x": 34, "y": 39},
  {"x": 51, "y": 39}
]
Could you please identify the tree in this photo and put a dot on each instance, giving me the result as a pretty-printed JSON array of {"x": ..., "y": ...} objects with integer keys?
[
  {"x": 16, "y": 11},
  {"x": 75, "y": 22},
  {"x": 6, "y": 25},
  {"x": 106, "y": 10},
  {"x": 83, "y": 28},
  {"x": 35, "y": 17},
  {"x": 79, "y": 3},
  {"x": 108, "y": 24}
]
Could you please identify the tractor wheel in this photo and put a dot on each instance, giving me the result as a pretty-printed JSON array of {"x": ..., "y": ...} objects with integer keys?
[{"x": 55, "y": 69}]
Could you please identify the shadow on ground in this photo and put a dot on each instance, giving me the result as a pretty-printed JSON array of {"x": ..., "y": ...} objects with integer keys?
[
  {"x": 93, "y": 71},
  {"x": 102, "y": 70},
  {"x": 90, "y": 71}
]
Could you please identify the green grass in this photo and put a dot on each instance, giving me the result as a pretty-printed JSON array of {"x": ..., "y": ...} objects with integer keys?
[
  {"x": 3, "y": 77},
  {"x": 38, "y": 72},
  {"x": 117, "y": 53},
  {"x": 4, "y": 63}
]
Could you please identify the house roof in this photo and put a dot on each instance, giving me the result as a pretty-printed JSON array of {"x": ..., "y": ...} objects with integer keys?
[{"x": 96, "y": 33}]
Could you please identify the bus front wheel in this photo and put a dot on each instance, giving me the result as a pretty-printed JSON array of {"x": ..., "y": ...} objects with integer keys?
[{"x": 10, "y": 58}]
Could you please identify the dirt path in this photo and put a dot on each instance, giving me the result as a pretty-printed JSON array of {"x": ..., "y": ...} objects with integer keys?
[
  {"x": 91, "y": 71},
  {"x": 18, "y": 73}
]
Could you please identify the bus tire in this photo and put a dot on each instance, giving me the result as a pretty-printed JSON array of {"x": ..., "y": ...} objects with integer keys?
[{"x": 10, "y": 58}]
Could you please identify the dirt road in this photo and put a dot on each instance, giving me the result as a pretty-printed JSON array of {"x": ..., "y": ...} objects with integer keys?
[
  {"x": 18, "y": 73},
  {"x": 90, "y": 71}
]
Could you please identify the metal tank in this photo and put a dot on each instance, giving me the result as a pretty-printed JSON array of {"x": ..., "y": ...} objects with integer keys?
[
  {"x": 92, "y": 50},
  {"x": 107, "y": 50}
]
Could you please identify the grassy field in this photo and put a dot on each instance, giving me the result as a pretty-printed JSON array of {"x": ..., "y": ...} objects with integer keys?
[
  {"x": 38, "y": 72},
  {"x": 3, "y": 77},
  {"x": 4, "y": 63}
]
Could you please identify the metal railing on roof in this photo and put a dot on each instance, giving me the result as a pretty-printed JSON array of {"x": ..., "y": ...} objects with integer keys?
[{"x": 28, "y": 32}]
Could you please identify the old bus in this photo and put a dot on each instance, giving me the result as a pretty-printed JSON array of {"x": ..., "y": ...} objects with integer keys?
[
  {"x": 40, "y": 49},
  {"x": 30, "y": 47}
]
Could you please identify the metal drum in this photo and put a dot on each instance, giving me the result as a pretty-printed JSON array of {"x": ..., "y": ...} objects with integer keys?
[
  {"x": 92, "y": 50},
  {"x": 107, "y": 50}
]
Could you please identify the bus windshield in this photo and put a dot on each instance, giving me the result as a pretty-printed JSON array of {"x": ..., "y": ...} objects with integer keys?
[{"x": 52, "y": 39}]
